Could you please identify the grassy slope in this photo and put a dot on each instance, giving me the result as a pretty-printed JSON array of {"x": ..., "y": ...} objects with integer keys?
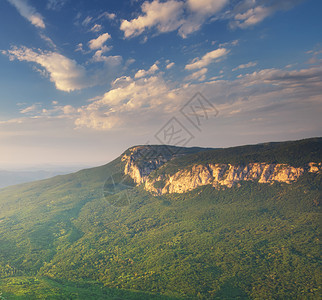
[{"x": 60, "y": 236}]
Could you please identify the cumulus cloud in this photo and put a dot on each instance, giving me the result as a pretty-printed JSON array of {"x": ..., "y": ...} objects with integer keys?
[
  {"x": 98, "y": 55},
  {"x": 271, "y": 104},
  {"x": 166, "y": 16},
  {"x": 30, "y": 109},
  {"x": 252, "y": 16},
  {"x": 110, "y": 16},
  {"x": 29, "y": 13},
  {"x": 249, "y": 13},
  {"x": 188, "y": 16},
  {"x": 99, "y": 42},
  {"x": 170, "y": 65},
  {"x": 128, "y": 97},
  {"x": 64, "y": 72},
  {"x": 79, "y": 48},
  {"x": 144, "y": 73},
  {"x": 244, "y": 66},
  {"x": 198, "y": 75},
  {"x": 305, "y": 78},
  {"x": 268, "y": 93},
  {"x": 206, "y": 7},
  {"x": 38, "y": 111},
  {"x": 276, "y": 100},
  {"x": 207, "y": 59},
  {"x": 96, "y": 28},
  {"x": 112, "y": 60}
]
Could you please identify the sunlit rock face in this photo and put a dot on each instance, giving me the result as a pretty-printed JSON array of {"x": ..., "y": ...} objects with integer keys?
[
  {"x": 142, "y": 160},
  {"x": 139, "y": 168}
]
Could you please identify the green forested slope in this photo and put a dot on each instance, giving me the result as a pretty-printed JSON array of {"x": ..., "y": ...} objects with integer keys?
[{"x": 61, "y": 239}]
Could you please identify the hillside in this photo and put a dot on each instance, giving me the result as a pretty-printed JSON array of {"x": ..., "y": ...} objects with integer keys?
[{"x": 102, "y": 234}]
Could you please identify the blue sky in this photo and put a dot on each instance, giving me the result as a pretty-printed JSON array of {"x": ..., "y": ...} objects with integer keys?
[{"x": 80, "y": 81}]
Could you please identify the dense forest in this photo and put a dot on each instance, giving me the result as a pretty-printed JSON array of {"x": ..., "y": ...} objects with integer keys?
[{"x": 61, "y": 238}]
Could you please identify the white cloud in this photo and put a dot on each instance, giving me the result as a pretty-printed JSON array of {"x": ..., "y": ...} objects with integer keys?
[
  {"x": 189, "y": 16},
  {"x": 48, "y": 40},
  {"x": 144, "y": 73},
  {"x": 271, "y": 93},
  {"x": 98, "y": 42},
  {"x": 30, "y": 109},
  {"x": 252, "y": 16},
  {"x": 56, "y": 4},
  {"x": 186, "y": 17},
  {"x": 129, "y": 62},
  {"x": 128, "y": 98},
  {"x": 121, "y": 81},
  {"x": 112, "y": 61},
  {"x": 229, "y": 44},
  {"x": 87, "y": 20},
  {"x": 110, "y": 16},
  {"x": 305, "y": 78},
  {"x": 190, "y": 25},
  {"x": 170, "y": 65},
  {"x": 271, "y": 104},
  {"x": 284, "y": 105},
  {"x": 64, "y": 72},
  {"x": 249, "y": 13},
  {"x": 206, "y": 7},
  {"x": 198, "y": 75},
  {"x": 56, "y": 111},
  {"x": 207, "y": 59},
  {"x": 29, "y": 13},
  {"x": 166, "y": 16},
  {"x": 98, "y": 55},
  {"x": 79, "y": 48},
  {"x": 92, "y": 23},
  {"x": 216, "y": 77},
  {"x": 244, "y": 66},
  {"x": 96, "y": 28}
]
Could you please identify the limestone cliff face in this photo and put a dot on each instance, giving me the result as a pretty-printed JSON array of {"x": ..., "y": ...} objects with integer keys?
[
  {"x": 217, "y": 175},
  {"x": 142, "y": 160},
  {"x": 225, "y": 175}
]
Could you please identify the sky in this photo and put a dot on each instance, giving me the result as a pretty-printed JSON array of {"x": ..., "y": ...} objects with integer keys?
[{"x": 81, "y": 81}]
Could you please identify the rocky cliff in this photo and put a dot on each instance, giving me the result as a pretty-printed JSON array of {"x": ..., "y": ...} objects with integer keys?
[
  {"x": 218, "y": 175},
  {"x": 140, "y": 161}
]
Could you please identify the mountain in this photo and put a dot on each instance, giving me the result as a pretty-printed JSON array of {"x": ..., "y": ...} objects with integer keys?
[
  {"x": 8, "y": 178},
  {"x": 163, "y": 222},
  {"x": 185, "y": 174},
  {"x": 28, "y": 174}
]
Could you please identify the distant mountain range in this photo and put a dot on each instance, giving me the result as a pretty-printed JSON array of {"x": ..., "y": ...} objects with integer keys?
[
  {"x": 8, "y": 178},
  {"x": 164, "y": 222},
  {"x": 17, "y": 176}
]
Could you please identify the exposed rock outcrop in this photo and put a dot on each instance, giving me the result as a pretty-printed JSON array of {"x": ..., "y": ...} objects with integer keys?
[
  {"x": 217, "y": 175},
  {"x": 142, "y": 160}
]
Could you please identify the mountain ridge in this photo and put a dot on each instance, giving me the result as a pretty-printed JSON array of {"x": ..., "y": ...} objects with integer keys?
[
  {"x": 64, "y": 237},
  {"x": 214, "y": 173}
]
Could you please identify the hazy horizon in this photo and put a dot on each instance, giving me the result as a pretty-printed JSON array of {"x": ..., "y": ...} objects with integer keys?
[{"x": 75, "y": 166}]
